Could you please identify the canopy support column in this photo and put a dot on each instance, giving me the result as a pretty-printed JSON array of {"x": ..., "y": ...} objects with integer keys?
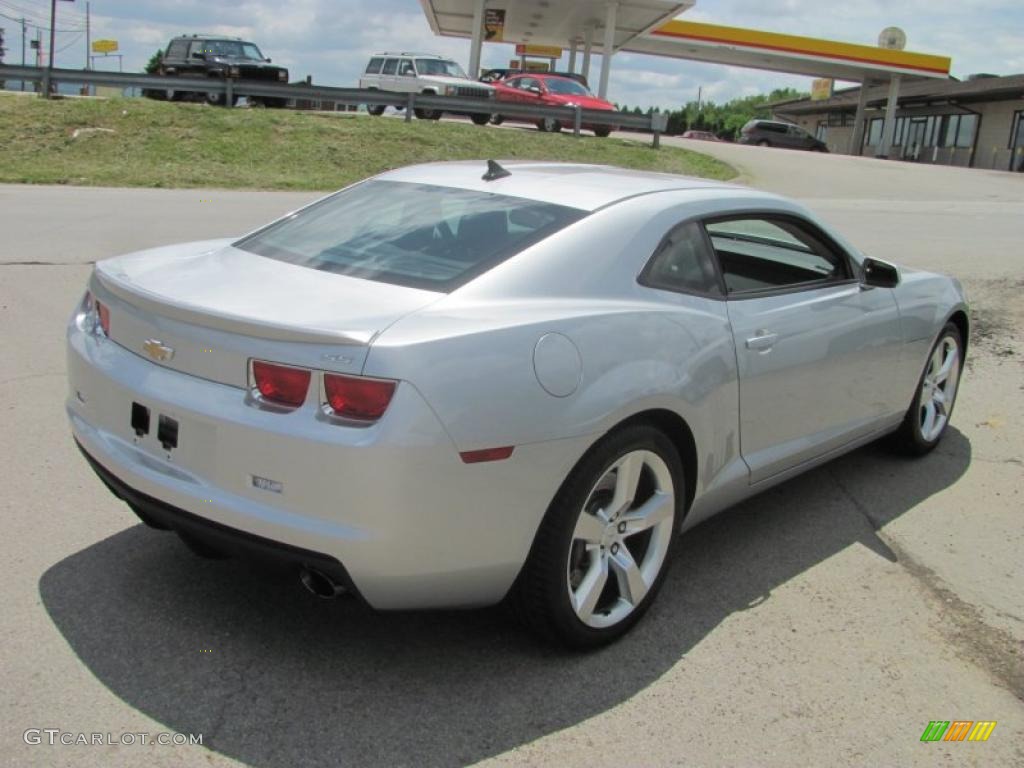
[
  {"x": 889, "y": 126},
  {"x": 588, "y": 44},
  {"x": 608, "y": 51},
  {"x": 478, "y": 38},
  {"x": 857, "y": 139}
]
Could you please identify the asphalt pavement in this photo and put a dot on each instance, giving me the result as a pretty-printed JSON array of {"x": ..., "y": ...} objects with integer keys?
[{"x": 825, "y": 622}]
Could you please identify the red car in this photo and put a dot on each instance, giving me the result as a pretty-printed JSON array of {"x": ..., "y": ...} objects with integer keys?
[{"x": 549, "y": 91}]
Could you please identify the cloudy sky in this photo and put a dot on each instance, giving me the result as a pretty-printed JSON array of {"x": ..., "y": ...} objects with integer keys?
[{"x": 332, "y": 39}]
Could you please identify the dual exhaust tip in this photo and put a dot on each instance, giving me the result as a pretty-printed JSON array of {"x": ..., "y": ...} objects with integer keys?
[{"x": 320, "y": 584}]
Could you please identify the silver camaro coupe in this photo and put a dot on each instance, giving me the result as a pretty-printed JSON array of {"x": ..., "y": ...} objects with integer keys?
[{"x": 462, "y": 382}]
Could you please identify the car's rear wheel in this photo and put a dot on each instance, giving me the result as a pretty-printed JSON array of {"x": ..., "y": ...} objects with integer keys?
[
  {"x": 602, "y": 132},
  {"x": 480, "y": 118},
  {"x": 498, "y": 119},
  {"x": 928, "y": 416},
  {"x": 549, "y": 125},
  {"x": 376, "y": 110},
  {"x": 602, "y": 551},
  {"x": 763, "y": 143},
  {"x": 427, "y": 114}
]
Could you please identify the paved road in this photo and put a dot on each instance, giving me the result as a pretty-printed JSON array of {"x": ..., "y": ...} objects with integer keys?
[{"x": 825, "y": 622}]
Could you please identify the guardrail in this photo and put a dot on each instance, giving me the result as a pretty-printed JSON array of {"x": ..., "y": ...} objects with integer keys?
[{"x": 410, "y": 102}]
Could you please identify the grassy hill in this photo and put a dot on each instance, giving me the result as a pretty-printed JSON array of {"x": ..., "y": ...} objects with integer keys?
[{"x": 137, "y": 142}]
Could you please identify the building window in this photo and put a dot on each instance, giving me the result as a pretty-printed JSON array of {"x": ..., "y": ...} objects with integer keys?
[
  {"x": 1017, "y": 130},
  {"x": 901, "y": 125},
  {"x": 965, "y": 131},
  {"x": 874, "y": 132}
]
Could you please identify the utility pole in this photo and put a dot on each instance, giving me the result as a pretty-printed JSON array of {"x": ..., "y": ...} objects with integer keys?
[
  {"x": 53, "y": 41},
  {"x": 88, "y": 36},
  {"x": 23, "y": 49}
]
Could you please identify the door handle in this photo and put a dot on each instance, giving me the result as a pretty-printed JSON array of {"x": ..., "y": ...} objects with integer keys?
[{"x": 763, "y": 341}]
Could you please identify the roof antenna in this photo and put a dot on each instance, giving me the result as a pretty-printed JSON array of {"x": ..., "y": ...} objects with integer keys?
[{"x": 495, "y": 171}]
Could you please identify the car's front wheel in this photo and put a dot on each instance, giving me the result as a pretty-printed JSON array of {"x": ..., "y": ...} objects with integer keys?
[
  {"x": 480, "y": 118},
  {"x": 929, "y": 413},
  {"x": 602, "y": 550}
]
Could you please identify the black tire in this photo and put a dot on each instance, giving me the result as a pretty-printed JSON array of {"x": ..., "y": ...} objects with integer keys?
[
  {"x": 156, "y": 95},
  {"x": 498, "y": 119},
  {"x": 763, "y": 143},
  {"x": 480, "y": 118},
  {"x": 376, "y": 110},
  {"x": 910, "y": 438},
  {"x": 540, "y": 596},
  {"x": 549, "y": 125},
  {"x": 602, "y": 132},
  {"x": 427, "y": 114},
  {"x": 201, "y": 549}
]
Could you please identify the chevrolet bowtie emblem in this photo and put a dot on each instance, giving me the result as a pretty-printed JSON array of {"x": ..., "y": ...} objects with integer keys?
[{"x": 158, "y": 350}]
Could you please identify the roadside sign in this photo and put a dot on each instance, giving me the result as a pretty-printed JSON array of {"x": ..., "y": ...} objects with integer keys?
[
  {"x": 546, "y": 51},
  {"x": 821, "y": 89},
  {"x": 104, "y": 46},
  {"x": 494, "y": 25}
]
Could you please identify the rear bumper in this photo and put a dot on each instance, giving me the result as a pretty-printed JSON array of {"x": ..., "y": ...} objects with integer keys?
[
  {"x": 413, "y": 525},
  {"x": 228, "y": 540}
]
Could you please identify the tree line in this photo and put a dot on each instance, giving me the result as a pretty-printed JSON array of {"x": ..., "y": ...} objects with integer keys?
[{"x": 724, "y": 120}]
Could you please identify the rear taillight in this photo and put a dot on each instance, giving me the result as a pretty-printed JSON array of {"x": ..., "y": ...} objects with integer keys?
[
  {"x": 357, "y": 398},
  {"x": 281, "y": 384},
  {"x": 104, "y": 314}
]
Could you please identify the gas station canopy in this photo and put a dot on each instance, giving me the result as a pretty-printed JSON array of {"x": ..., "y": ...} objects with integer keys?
[
  {"x": 651, "y": 27},
  {"x": 792, "y": 54},
  {"x": 553, "y": 22}
]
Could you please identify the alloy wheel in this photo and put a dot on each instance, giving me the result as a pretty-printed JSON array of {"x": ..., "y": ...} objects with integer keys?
[
  {"x": 621, "y": 539},
  {"x": 938, "y": 388}
]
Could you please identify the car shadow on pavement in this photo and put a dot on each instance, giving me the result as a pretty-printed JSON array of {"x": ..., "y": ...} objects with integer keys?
[{"x": 272, "y": 676}]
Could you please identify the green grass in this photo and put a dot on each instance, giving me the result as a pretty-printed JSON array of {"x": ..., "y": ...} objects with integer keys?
[{"x": 157, "y": 144}]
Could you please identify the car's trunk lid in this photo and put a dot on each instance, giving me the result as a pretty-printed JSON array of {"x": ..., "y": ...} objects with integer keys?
[{"x": 207, "y": 308}]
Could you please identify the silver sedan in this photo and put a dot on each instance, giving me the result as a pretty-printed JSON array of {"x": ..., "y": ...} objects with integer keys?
[{"x": 458, "y": 383}]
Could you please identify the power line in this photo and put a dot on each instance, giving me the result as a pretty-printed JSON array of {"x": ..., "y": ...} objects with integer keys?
[
  {"x": 39, "y": 25},
  {"x": 41, "y": 12},
  {"x": 34, "y": 21}
]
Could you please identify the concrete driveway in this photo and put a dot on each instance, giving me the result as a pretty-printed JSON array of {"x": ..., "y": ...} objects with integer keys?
[{"x": 824, "y": 622}]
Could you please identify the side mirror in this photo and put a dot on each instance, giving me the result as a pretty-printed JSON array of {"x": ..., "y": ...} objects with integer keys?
[
  {"x": 879, "y": 274},
  {"x": 268, "y": 60}
]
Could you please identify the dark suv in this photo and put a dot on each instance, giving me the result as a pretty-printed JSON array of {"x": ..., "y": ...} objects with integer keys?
[
  {"x": 217, "y": 57},
  {"x": 775, "y": 133}
]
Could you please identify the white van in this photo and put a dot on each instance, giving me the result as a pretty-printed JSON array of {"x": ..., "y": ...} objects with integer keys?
[{"x": 424, "y": 73}]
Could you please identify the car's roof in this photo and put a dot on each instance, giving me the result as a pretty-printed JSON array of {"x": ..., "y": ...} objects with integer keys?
[{"x": 587, "y": 187}]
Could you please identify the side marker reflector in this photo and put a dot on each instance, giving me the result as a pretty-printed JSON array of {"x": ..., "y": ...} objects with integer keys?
[{"x": 488, "y": 454}]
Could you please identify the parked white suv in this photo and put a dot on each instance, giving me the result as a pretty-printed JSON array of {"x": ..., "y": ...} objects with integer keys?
[{"x": 424, "y": 73}]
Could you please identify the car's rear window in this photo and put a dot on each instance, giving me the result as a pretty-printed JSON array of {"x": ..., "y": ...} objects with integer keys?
[{"x": 417, "y": 235}]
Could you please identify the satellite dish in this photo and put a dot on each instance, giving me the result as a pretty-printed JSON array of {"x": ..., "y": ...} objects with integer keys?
[{"x": 893, "y": 38}]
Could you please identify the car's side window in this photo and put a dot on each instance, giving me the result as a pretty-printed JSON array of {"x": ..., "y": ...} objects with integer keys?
[
  {"x": 682, "y": 263},
  {"x": 373, "y": 68},
  {"x": 406, "y": 69},
  {"x": 177, "y": 49},
  {"x": 390, "y": 66},
  {"x": 759, "y": 253}
]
